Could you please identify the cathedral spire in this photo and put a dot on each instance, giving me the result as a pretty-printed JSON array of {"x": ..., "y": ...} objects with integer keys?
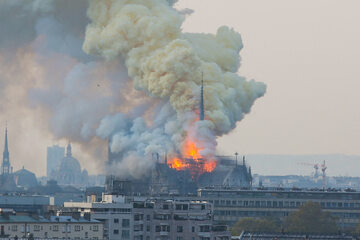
[
  {"x": 5, "y": 167},
  {"x": 6, "y": 148},
  {"x": 202, "y": 114}
]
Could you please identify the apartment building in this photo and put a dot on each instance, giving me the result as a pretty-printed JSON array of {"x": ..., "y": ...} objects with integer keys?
[
  {"x": 178, "y": 220},
  {"x": 14, "y": 225},
  {"x": 155, "y": 219}
]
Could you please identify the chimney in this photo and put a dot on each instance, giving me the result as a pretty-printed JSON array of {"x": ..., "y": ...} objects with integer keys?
[{"x": 87, "y": 216}]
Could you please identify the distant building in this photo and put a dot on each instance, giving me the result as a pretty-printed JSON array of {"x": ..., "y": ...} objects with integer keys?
[
  {"x": 153, "y": 219},
  {"x": 13, "y": 182},
  {"x": 5, "y": 166},
  {"x": 230, "y": 205},
  {"x": 7, "y": 183},
  {"x": 49, "y": 227},
  {"x": 54, "y": 155},
  {"x": 31, "y": 204},
  {"x": 69, "y": 172},
  {"x": 25, "y": 178}
]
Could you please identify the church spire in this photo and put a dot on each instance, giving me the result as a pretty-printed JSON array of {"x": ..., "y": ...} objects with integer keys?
[
  {"x": 6, "y": 148},
  {"x": 5, "y": 167},
  {"x": 202, "y": 114}
]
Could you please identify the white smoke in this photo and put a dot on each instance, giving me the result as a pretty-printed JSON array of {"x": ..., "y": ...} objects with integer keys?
[
  {"x": 167, "y": 65},
  {"x": 144, "y": 98}
]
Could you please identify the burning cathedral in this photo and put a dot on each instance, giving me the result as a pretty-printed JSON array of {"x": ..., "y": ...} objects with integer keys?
[
  {"x": 185, "y": 174},
  {"x": 166, "y": 116}
]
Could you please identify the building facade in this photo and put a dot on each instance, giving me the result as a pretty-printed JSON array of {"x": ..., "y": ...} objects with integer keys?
[
  {"x": 13, "y": 225},
  {"x": 141, "y": 219},
  {"x": 230, "y": 205}
]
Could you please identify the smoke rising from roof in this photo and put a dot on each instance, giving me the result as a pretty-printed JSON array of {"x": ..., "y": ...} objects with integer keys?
[
  {"x": 167, "y": 65},
  {"x": 149, "y": 106}
]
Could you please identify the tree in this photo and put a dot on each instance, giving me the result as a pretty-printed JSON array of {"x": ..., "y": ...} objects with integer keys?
[
  {"x": 310, "y": 219},
  {"x": 255, "y": 225}
]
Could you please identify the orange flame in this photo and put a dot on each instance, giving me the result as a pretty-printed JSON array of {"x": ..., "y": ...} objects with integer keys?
[{"x": 192, "y": 160}]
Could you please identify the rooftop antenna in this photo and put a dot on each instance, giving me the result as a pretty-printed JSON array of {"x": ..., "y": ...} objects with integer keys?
[{"x": 202, "y": 114}]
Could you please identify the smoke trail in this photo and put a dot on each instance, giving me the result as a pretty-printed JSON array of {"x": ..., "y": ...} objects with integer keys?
[{"x": 166, "y": 65}]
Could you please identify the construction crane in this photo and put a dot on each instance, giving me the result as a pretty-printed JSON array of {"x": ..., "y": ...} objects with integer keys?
[
  {"x": 323, "y": 169},
  {"x": 314, "y": 165}
]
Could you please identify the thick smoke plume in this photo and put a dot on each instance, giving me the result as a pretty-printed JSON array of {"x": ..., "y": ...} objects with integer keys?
[
  {"x": 167, "y": 65},
  {"x": 143, "y": 98}
]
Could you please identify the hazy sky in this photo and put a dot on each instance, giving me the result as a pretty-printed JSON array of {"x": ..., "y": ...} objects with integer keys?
[{"x": 307, "y": 52}]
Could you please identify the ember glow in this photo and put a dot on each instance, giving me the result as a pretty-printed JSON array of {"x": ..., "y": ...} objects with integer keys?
[{"x": 192, "y": 160}]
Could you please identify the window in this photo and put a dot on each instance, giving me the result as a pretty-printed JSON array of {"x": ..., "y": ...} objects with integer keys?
[
  {"x": 179, "y": 238},
  {"x": 179, "y": 229},
  {"x": 116, "y": 220},
  {"x": 36, "y": 228},
  {"x": 95, "y": 228},
  {"x": 157, "y": 228},
  {"x": 148, "y": 217},
  {"x": 55, "y": 228},
  {"x": 205, "y": 228},
  {"x": 125, "y": 222},
  {"x": 138, "y": 217},
  {"x": 125, "y": 234},
  {"x": 14, "y": 228},
  {"x": 165, "y": 228},
  {"x": 116, "y": 231},
  {"x": 193, "y": 229},
  {"x": 148, "y": 228},
  {"x": 77, "y": 228},
  {"x": 86, "y": 234}
]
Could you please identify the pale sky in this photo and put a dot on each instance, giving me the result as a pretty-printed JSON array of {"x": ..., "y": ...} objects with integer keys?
[{"x": 307, "y": 52}]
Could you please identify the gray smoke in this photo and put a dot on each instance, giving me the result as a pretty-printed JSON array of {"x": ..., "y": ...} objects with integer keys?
[{"x": 143, "y": 98}]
